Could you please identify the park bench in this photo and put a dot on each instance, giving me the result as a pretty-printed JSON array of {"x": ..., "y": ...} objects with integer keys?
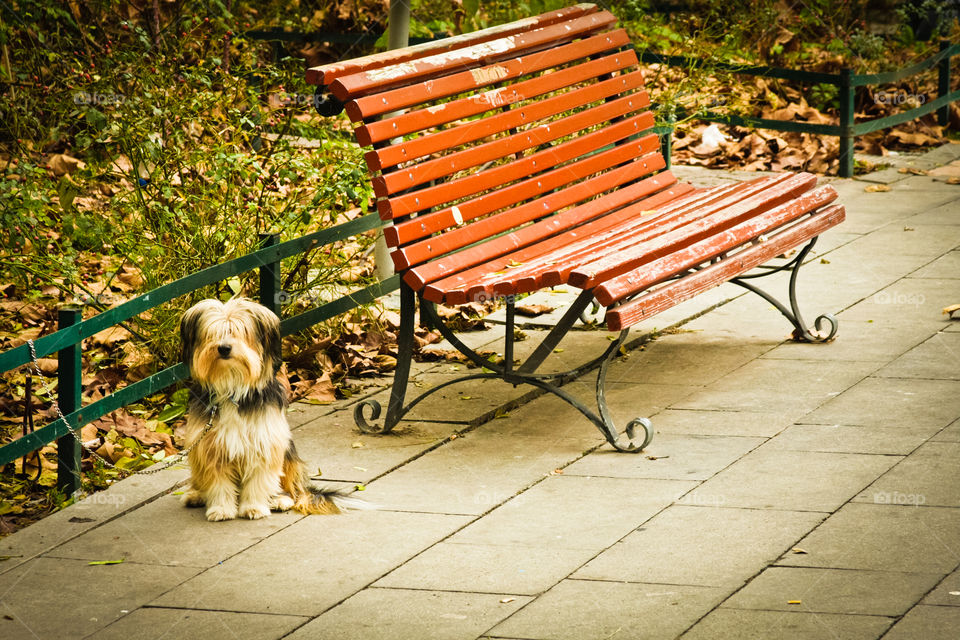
[{"x": 522, "y": 157}]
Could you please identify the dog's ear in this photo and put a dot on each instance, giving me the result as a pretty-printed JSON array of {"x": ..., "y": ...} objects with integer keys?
[
  {"x": 268, "y": 333},
  {"x": 189, "y": 334}
]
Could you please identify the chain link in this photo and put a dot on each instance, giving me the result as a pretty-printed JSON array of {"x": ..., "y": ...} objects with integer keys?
[{"x": 150, "y": 470}]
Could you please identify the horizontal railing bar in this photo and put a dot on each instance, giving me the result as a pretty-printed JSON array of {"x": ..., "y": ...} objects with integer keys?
[
  {"x": 898, "y": 118},
  {"x": 650, "y": 57},
  {"x": 93, "y": 411},
  {"x": 894, "y": 76},
  {"x": 53, "y": 342},
  {"x": 332, "y": 309}
]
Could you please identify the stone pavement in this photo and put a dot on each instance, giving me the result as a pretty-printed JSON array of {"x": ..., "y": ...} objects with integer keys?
[{"x": 791, "y": 491}]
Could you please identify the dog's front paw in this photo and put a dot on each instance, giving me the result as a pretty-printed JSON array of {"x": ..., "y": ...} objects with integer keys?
[
  {"x": 281, "y": 502},
  {"x": 192, "y": 498},
  {"x": 216, "y": 513},
  {"x": 254, "y": 511}
]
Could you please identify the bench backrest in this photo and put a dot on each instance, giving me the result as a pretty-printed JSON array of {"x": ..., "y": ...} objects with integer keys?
[{"x": 494, "y": 140}]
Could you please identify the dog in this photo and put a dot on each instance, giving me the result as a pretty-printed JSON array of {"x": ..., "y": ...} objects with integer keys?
[{"x": 242, "y": 459}]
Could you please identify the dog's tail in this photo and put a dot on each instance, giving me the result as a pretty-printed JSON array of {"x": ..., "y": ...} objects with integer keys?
[{"x": 310, "y": 500}]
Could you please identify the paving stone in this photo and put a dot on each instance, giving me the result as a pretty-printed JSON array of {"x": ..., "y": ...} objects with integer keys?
[
  {"x": 158, "y": 623},
  {"x": 928, "y": 476},
  {"x": 687, "y": 359},
  {"x": 936, "y": 359},
  {"x": 150, "y": 538},
  {"x": 669, "y": 456},
  {"x": 945, "y": 267},
  {"x": 64, "y": 598},
  {"x": 910, "y": 239},
  {"x": 789, "y": 387},
  {"x": 908, "y": 301},
  {"x": 701, "y": 545},
  {"x": 833, "y": 591},
  {"x": 388, "y": 614},
  {"x": 341, "y": 451},
  {"x": 588, "y": 609},
  {"x": 747, "y": 320},
  {"x": 870, "y": 211},
  {"x": 838, "y": 438},
  {"x": 739, "y": 624},
  {"x": 883, "y": 537},
  {"x": 921, "y": 407},
  {"x": 476, "y": 472},
  {"x": 945, "y": 214},
  {"x": 573, "y": 511},
  {"x": 949, "y": 434},
  {"x": 485, "y": 568},
  {"x": 929, "y": 623},
  {"x": 86, "y": 514},
  {"x": 316, "y": 563},
  {"x": 947, "y": 592},
  {"x": 719, "y": 423},
  {"x": 768, "y": 478},
  {"x": 860, "y": 341}
]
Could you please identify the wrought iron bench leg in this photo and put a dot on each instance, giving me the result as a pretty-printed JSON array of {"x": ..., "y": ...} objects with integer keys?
[
  {"x": 395, "y": 409},
  {"x": 801, "y": 331}
]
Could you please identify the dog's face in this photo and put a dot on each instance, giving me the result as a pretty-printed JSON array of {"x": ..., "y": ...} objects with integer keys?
[{"x": 231, "y": 347}]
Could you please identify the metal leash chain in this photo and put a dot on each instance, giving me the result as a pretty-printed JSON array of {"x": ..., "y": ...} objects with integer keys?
[{"x": 153, "y": 468}]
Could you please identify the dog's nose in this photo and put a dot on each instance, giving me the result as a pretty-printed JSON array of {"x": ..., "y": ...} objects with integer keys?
[{"x": 224, "y": 350}]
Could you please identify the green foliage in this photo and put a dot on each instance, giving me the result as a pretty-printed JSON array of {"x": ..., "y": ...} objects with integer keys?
[{"x": 191, "y": 146}]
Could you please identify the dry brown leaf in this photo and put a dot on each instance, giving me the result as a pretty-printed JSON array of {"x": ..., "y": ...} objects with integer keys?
[
  {"x": 533, "y": 310},
  {"x": 875, "y": 188},
  {"x": 62, "y": 164},
  {"x": 110, "y": 337},
  {"x": 949, "y": 311}
]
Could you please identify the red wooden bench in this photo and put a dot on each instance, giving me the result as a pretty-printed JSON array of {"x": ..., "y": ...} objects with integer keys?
[{"x": 522, "y": 157}]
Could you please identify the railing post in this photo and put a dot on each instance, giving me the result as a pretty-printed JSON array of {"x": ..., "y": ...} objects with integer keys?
[
  {"x": 846, "y": 123},
  {"x": 270, "y": 294},
  {"x": 69, "y": 375},
  {"x": 666, "y": 141},
  {"x": 943, "y": 85}
]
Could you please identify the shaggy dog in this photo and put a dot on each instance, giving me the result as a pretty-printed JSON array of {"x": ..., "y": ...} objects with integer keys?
[{"x": 242, "y": 461}]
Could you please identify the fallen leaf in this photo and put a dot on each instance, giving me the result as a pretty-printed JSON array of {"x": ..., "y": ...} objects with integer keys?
[
  {"x": 951, "y": 309},
  {"x": 101, "y": 562},
  {"x": 794, "y": 601},
  {"x": 110, "y": 337},
  {"x": 506, "y": 600},
  {"x": 357, "y": 445},
  {"x": 953, "y": 180},
  {"x": 798, "y": 550},
  {"x": 361, "y": 487},
  {"x": 533, "y": 310},
  {"x": 874, "y": 188},
  {"x": 912, "y": 171},
  {"x": 62, "y": 164}
]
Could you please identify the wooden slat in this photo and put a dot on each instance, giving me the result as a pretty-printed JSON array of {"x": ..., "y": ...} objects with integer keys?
[
  {"x": 528, "y": 276},
  {"x": 434, "y": 116},
  {"x": 479, "y": 280},
  {"x": 674, "y": 293},
  {"x": 428, "y": 197},
  {"x": 429, "y": 170},
  {"x": 645, "y": 229},
  {"x": 363, "y": 109},
  {"x": 666, "y": 267},
  {"x": 645, "y": 217},
  {"x": 425, "y": 225},
  {"x": 453, "y": 239},
  {"x": 627, "y": 258},
  {"x": 325, "y": 74},
  {"x": 377, "y": 80},
  {"x": 521, "y": 237},
  {"x": 495, "y": 124}
]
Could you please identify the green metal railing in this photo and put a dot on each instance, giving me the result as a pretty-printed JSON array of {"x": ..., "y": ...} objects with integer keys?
[
  {"x": 66, "y": 341},
  {"x": 846, "y": 82}
]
